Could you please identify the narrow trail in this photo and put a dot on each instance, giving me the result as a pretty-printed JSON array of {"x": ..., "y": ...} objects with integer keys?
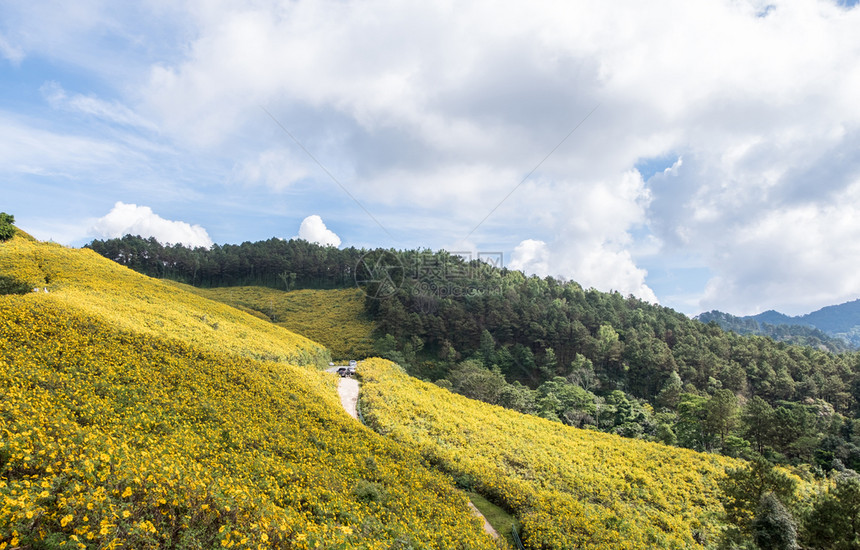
[
  {"x": 347, "y": 389},
  {"x": 487, "y": 527}
]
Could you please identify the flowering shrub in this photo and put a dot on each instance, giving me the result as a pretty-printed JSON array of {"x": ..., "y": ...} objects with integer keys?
[{"x": 570, "y": 488}]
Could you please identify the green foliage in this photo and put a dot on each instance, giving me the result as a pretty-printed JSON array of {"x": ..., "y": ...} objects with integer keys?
[
  {"x": 7, "y": 228},
  {"x": 783, "y": 329},
  {"x": 834, "y": 520},
  {"x": 773, "y": 527},
  {"x": 471, "y": 379},
  {"x": 275, "y": 263},
  {"x": 722, "y": 414},
  {"x": 742, "y": 494},
  {"x": 10, "y": 285}
]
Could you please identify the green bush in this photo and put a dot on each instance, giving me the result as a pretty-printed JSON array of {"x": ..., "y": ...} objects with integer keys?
[
  {"x": 10, "y": 285},
  {"x": 7, "y": 230}
]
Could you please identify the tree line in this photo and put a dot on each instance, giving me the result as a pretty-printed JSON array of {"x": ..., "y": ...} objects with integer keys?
[{"x": 275, "y": 263}]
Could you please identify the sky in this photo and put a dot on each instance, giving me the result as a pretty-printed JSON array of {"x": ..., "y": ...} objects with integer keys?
[{"x": 701, "y": 155}]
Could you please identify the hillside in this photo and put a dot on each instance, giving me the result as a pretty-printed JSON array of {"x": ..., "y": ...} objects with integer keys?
[
  {"x": 569, "y": 488},
  {"x": 335, "y": 318},
  {"x": 164, "y": 438},
  {"x": 134, "y": 302}
]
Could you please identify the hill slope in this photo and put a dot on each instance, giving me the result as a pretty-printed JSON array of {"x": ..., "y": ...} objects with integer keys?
[
  {"x": 167, "y": 437},
  {"x": 570, "y": 488},
  {"x": 552, "y": 348},
  {"x": 131, "y": 301},
  {"x": 334, "y": 318}
]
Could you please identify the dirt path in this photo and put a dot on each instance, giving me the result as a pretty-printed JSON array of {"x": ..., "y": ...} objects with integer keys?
[
  {"x": 347, "y": 389},
  {"x": 487, "y": 527}
]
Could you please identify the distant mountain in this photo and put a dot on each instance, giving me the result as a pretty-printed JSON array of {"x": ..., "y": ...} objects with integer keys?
[
  {"x": 772, "y": 317},
  {"x": 840, "y": 322}
]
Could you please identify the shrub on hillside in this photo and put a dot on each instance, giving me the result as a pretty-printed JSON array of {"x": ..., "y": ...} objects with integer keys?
[{"x": 7, "y": 230}]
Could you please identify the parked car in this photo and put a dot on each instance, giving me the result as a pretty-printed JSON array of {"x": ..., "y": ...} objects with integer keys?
[{"x": 352, "y": 363}]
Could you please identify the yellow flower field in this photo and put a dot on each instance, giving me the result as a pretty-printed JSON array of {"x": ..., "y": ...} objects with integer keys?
[
  {"x": 111, "y": 439},
  {"x": 334, "y": 318},
  {"x": 82, "y": 278},
  {"x": 569, "y": 488}
]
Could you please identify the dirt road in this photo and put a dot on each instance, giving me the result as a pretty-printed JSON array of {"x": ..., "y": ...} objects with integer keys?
[{"x": 347, "y": 389}]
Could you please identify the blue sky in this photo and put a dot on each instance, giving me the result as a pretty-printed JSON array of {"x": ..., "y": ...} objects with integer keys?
[{"x": 715, "y": 161}]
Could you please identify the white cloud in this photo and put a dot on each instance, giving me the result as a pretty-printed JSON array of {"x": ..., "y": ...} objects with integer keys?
[
  {"x": 125, "y": 219},
  {"x": 531, "y": 256},
  {"x": 110, "y": 111},
  {"x": 801, "y": 257},
  {"x": 314, "y": 230},
  {"x": 276, "y": 168},
  {"x": 11, "y": 52},
  {"x": 29, "y": 149}
]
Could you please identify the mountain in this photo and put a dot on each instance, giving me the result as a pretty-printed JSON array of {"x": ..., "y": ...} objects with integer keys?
[
  {"x": 789, "y": 332},
  {"x": 839, "y": 322}
]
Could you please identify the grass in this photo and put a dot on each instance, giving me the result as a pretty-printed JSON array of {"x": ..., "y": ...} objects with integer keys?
[{"x": 501, "y": 521}]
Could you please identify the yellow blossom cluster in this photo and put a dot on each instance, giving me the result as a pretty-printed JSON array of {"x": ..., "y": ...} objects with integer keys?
[
  {"x": 100, "y": 287},
  {"x": 334, "y": 318},
  {"x": 569, "y": 488}
]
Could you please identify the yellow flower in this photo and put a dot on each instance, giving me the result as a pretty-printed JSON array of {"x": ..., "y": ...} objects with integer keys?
[
  {"x": 126, "y": 493},
  {"x": 65, "y": 521},
  {"x": 126, "y": 513}
]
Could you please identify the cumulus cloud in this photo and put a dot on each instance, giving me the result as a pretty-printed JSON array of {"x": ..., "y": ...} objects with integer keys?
[
  {"x": 125, "y": 219},
  {"x": 599, "y": 267},
  {"x": 531, "y": 256},
  {"x": 314, "y": 230},
  {"x": 803, "y": 255}
]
